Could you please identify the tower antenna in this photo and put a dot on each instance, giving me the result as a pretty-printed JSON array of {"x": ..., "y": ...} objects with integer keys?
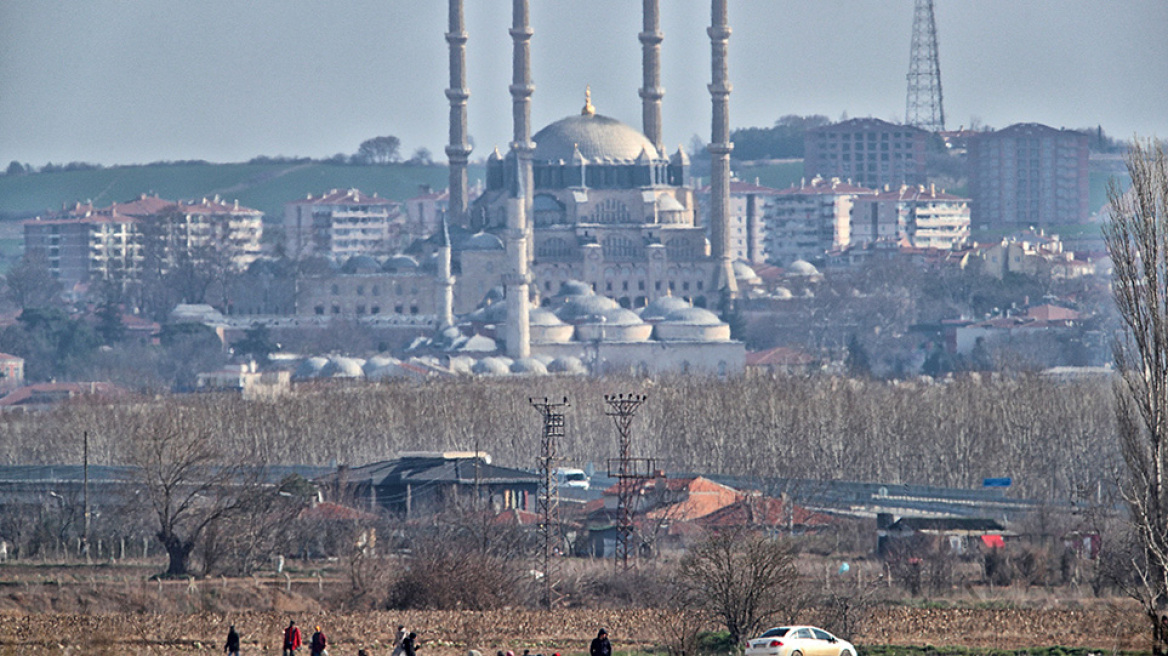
[
  {"x": 924, "y": 107},
  {"x": 549, "y": 494},
  {"x": 628, "y": 471}
]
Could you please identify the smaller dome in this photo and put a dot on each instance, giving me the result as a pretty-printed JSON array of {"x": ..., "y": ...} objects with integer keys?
[
  {"x": 361, "y": 264},
  {"x": 567, "y": 365},
  {"x": 802, "y": 268},
  {"x": 316, "y": 266},
  {"x": 491, "y": 367},
  {"x": 342, "y": 367},
  {"x": 575, "y": 288},
  {"x": 743, "y": 271},
  {"x": 782, "y": 293},
  {"x": 377, "y": 362},
  {"x": 579, "y": 307},
  {"x": 660, "y": 307},
  {"x": 693, "y": 316},
  {"x": 400, "y": 263},
  {"x": 529, "y": 367},
  {"x": 310, "y": 368},
  {"x": 621, "y": 317},
  {"x": 667, "y": 203},
  {"x": 483, "y": 241},
  {"x": 543, "y": 317}
]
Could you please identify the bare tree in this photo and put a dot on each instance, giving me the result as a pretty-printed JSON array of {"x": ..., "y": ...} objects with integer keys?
[
  {"x": 184, "y": 476},
  {"x": 1137, "y": 240},
  {"x": 741, "y": 580}
]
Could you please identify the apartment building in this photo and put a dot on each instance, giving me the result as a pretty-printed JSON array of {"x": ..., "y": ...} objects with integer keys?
[
  {"x": 1028, "y": 175},
  {"x": 749, "y": 205},
  {"x": 807, "y": 221},
  {"x": 84, "y": 242},
  {"x": 924, "y": 216},
  {"x": 868, "y": 152},
  {"x": 341, "y": 224}
]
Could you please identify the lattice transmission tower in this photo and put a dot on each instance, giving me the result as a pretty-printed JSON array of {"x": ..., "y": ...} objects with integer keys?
[
  {"x": 549, "y": 495},
  {"x": 924, "y": 107},
  {"x": 628, "y": 471}
]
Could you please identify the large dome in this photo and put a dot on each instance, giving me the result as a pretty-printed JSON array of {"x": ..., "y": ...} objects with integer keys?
[{"x": 597, "y": 137}]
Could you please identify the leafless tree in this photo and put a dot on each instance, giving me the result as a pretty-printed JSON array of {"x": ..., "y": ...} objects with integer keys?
[
  {"x": 741, "y": 580},
  {"x": 185, "y": 477},
  {"x": 1137, "y": 240}
]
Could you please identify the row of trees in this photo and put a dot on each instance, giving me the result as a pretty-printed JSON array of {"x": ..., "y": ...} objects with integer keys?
[{"x": 1056, "y": 440}]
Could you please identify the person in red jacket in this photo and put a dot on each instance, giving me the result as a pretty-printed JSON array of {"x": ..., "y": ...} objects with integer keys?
[
  {"x": 291, "y": 639},
  {"x": 318, "y": 644}
]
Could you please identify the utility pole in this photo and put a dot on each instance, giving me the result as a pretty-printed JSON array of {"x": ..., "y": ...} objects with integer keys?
[
  {"x": 85, "y": 490},
  {"x": 628, "y": 471},
  {"x": 923, "y": 107},
  {"x": 549, "y": 497}
]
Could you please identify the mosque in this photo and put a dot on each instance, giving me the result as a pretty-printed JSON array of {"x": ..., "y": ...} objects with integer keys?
[
  {"x": 587, "y": 237},
  {"x": 585, "y": 251}
]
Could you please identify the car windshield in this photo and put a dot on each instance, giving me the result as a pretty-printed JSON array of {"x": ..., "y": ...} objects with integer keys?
[
  {"x": 776, "y": 632},
  {"x": 576, "y": 477}
]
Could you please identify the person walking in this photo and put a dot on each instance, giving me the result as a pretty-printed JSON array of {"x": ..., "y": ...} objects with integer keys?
[
  {"x": 292, "y": 640},
  {"x": 318, "y": 646},
  {"x": 600, "y": 645},
  {"x": 410, "y": 645},
  {"x": 231, "y": 648},
  {"x": 398, "y": 639}
]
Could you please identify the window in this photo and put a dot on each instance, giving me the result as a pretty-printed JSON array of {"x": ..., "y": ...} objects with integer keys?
[
  {"x": 336, "y": 290},
  {"x": 413, "y": 309},
  {"x": 376, "y": 309},
  {"x": 336, "y": 309},
  {"x": 398, "y": 309},
  {"x": 360, "y": 309},
  {"x": 641, "y": 285},
  {"x": 360, "y": 290},
  {"x": 319, "y": 309}
]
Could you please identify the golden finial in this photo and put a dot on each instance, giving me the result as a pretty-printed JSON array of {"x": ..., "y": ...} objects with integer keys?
[{"x": 588, "y": 110}]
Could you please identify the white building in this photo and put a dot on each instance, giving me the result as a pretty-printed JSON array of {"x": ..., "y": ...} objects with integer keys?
[
  {"x": 924, "y": 216},
  {"x": 805, "y": 222},
  {"x": 341, "y": 224}
]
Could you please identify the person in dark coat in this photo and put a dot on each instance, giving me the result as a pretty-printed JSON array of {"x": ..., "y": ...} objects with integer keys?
[
  {"x": 318, "y": 645},
  {"x": 232, "y": 646},
  {"x": 410, "y": 645},
  {"x": 600, "y": 645}
]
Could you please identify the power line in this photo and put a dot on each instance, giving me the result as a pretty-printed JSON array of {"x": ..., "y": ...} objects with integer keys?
[
  {"x": 549, "y": 496},
  {"x": 628, "y": 471},
  {"x": 923, "y": 107}
]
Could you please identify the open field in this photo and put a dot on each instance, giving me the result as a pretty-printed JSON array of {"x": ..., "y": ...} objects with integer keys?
[{"x": 118, "y": 610}]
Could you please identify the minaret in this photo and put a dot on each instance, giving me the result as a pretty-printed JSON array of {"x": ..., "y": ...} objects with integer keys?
[
  {"x": 720, "y": 148},
  {"x": 459, "y": 149},
  {"x": 517, "y": 279},
  {"x": 652, "y": 91},
  {"x": 445, "y": 279}
]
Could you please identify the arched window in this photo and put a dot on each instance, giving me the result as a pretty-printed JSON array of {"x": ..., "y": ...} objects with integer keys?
[
  {"x": 553, "y": 247},
  {"x": 679, "y": 248},
  {"x": 547, "y": 210},
  {"x": 610, "y": 210},
  {"x": 617, "y": 246}
]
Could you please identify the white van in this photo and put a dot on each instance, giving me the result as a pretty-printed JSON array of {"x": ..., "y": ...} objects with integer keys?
[{"x": 572, "y": 477}]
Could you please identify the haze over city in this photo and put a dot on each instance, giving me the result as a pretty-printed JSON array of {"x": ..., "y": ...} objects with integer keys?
[{"x": 126, "y": 82}]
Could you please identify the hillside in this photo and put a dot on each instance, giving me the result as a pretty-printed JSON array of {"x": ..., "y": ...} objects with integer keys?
[{"x": 265, "y": 187}]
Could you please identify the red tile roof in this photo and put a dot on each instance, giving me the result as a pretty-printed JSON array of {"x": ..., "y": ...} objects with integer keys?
[
  {"x": 758, "y": 510},
  {"x": 329, "y": 511},
  {"x": 343, "y": 196},
  {"x": 823, "y": 187},
  {"x": 779, "y": 355},
  {"x": 57, "y": 391}
]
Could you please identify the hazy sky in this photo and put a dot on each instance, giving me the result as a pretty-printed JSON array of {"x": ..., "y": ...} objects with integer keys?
[{"x": 126, "y": 81}]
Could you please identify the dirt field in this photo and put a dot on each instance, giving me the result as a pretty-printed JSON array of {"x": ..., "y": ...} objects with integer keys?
[{"x": 78, "y": 613}]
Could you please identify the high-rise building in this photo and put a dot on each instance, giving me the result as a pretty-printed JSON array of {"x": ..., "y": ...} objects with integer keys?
[
  {"x": 1028, "y": 175},
  {"x": 868, "y": 152}
]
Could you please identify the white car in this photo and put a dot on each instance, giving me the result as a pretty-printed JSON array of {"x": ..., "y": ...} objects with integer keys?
[{"x": 798, "y": 641}]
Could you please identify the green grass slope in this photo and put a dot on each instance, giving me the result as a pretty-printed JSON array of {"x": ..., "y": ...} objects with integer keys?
[{"x": 265, "y": 187}]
